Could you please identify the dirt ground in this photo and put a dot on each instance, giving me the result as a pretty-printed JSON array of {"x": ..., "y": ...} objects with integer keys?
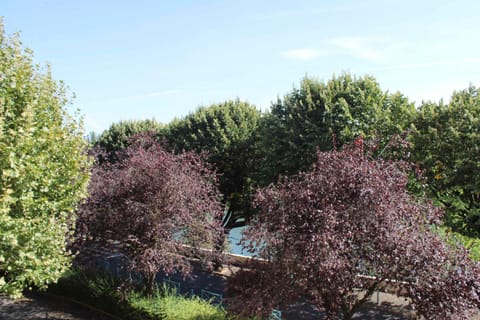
[
  {"x": 37, "y": 307},
  {"x": 43, "y": 307}
]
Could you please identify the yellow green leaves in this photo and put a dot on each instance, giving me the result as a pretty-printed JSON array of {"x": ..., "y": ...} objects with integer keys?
[{"x": 43, "y": 170}]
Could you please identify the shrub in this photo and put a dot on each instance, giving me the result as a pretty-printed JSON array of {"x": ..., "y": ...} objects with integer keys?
[
  {"x": 169, "y": 305},
  {"x": 98, "y": 290}
]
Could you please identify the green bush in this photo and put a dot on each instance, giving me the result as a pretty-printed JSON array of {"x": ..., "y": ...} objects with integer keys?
[
  {"x": 455, "y": 239},
  {"x": 169, "y": 305},
  {"x": 472, "y": 244},
  {"x": 100, "y": 290}
]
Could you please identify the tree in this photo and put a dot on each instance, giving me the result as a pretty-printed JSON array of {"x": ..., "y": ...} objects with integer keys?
[
  {"x": 227, "y": 132},
  {"x": 118, "y": 135},
  {"x": 446, "y": 144},
  {"x": 149, "y": 205},
  {"x": 320, "y": 231},
  {"x": 327, "y": 115},
  {"x": 44, "y": 171}
]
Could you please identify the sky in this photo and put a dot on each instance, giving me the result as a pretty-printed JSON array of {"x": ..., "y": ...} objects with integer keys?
[{"x": 142, "y": 59}]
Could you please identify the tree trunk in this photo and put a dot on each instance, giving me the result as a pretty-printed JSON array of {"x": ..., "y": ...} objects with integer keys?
[{"x": 149, "y": 284}]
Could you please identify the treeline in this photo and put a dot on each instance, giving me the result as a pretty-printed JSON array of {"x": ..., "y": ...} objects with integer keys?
[
  {"x": 346, "y": 212},
  {"x": 250, "y": 148}
]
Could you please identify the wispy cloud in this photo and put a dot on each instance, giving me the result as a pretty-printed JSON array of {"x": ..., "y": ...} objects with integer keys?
[
  {"x": 358, "y": 47},
  {"x": 372, "y": 49},
  {"x": 304, "y": 54}
]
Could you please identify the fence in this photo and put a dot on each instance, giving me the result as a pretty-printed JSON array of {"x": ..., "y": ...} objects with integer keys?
[
  {"x": 214, "y": 298},
  {"x": 115, "y": 264}
]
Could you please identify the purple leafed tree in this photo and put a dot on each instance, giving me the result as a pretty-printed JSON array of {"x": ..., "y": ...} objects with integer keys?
[
  {"x": 345, "y": 229},
  {"x": 151, "y": 204}
]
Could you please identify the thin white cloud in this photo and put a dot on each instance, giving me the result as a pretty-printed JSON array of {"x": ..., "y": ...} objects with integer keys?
[
  {"x": 358, "y": 47},
  {"x": 373, "y": 49},
  {"x": 304, "y": 54}
]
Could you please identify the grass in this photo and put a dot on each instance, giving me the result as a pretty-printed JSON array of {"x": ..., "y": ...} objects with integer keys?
[
  {"x": 99, "y": 290},
  {"x": 169, "y": 305},
  {"x": 472, "y": 244},
  {"x": 455, "y": 238}
]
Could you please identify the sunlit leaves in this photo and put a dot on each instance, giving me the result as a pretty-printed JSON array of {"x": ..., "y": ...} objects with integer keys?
[
  {"x": 43, "y": 171},
  {"x": 349, "y": 225},
  {"x": 446, "y": 143},
  {"x": 326, "y": 115}
]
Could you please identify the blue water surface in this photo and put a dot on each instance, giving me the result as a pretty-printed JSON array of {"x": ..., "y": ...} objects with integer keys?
[{"x": 234, "y": 237}]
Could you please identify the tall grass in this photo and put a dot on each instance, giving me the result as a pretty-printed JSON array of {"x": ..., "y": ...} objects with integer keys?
[
  {"x": 169, "y": 305},
  {"x": 99, "y": 290}
]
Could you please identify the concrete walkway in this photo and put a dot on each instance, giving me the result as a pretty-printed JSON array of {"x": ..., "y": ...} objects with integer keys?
[
  {"x": 41, "y": 307},
  {"x": 37, "y": 307},
  {"x": 381, "y": 307}
]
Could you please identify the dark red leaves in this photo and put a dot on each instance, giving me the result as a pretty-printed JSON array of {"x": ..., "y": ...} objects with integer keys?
[
  {"x": 150, "y": 204},
  {"x": 351, "y": 216}
]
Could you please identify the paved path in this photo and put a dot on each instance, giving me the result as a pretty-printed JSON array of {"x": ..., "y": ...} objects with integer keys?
[
  {"x": 37, "y": 307},
  {"x": 46, "y": 308},
  {"x": 387, "y": 307}
]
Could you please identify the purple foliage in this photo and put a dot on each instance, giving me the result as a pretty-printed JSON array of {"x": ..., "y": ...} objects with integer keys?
[
  {"x": 349, "y": 216},
  {"x": 149, "y": 205}
]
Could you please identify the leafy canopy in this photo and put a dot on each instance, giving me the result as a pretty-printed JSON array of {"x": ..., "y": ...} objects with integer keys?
[
  {"x": 320, "y": 231},
  {"x": 226, "y": 131},
  {"x": 326, "y": 115},
  {"x": 150, "y": 204},
  {"x": 446, "y": 143},
  {"x": 118, "y": 135},
  {"x": 43, "y": 171}
]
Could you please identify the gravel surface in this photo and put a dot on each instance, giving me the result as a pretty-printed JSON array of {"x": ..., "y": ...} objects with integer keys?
[{"x": 36, "y": 307}]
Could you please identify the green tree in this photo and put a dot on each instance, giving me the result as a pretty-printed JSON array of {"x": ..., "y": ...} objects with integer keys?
[
  {"x": 226, "y": 131},
  {"x": 92, "y": 138},
  {"x": 117, "y": 136},
  {"x": 326, "y": 115},
  {"x": 446, "y": 144},
  {"x": 43, "y": 171}
]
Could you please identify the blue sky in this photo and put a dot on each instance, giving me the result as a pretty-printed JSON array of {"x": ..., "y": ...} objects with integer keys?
[{"x": 162, "y": 59}]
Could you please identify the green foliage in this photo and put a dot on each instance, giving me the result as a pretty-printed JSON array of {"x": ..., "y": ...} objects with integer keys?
[
  {"x": 227, "y": 132},
  {"x": 92, "y": 138},
  {"x": 43, "y": 171},
  {"x": 326, "y": 115},
  {"x": 169, "y": 305},
  {"x": 472, "y": 244},
  {"x": 99, "y": 290},
  {"x": 458, "y": 239},
  {"x": 118, "y": 135},
  {"x": 446, "y": 143}
]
